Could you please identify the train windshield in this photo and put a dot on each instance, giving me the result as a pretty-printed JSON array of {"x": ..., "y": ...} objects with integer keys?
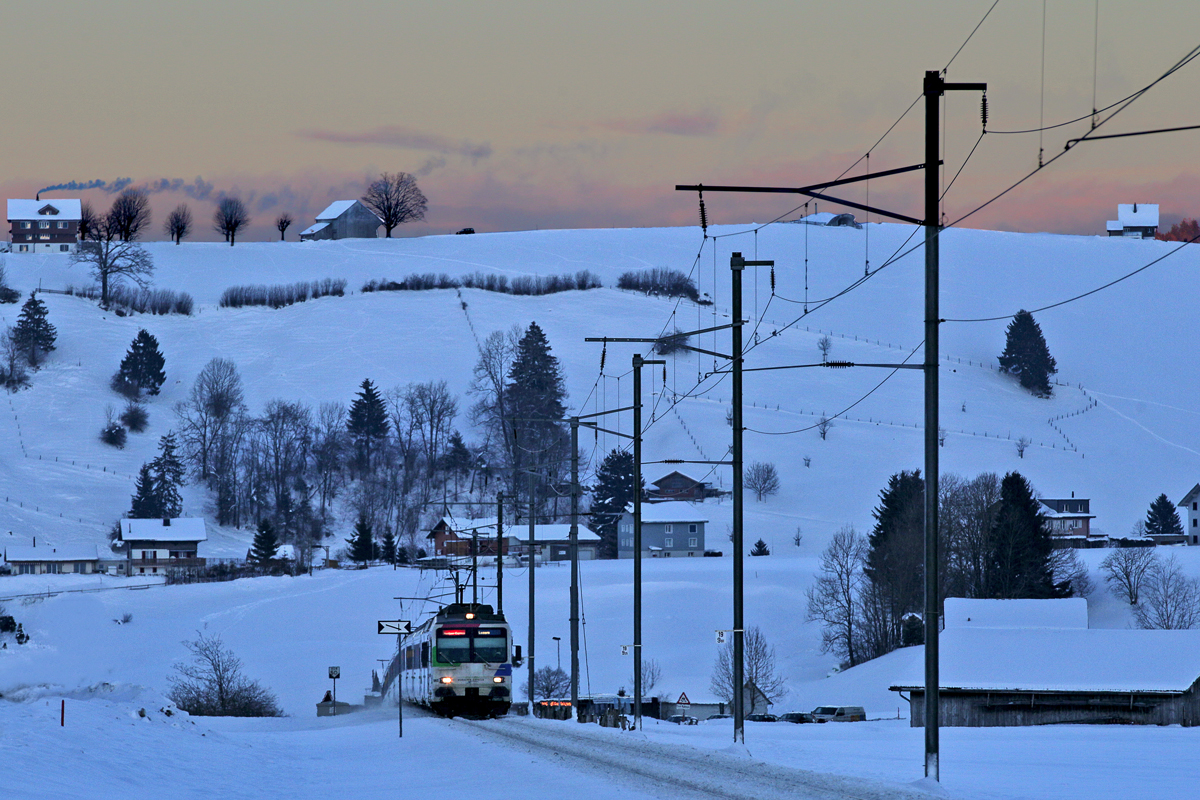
[{"x": 472, "y": 645}]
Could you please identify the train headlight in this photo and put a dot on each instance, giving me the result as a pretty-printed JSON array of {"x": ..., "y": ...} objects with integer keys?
[
  {"x": 447, "y": 679},
  {"x": 497, "y": 679}
]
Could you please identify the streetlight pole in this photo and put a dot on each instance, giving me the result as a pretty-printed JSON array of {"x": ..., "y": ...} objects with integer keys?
[{"x": 558, "y": 644}]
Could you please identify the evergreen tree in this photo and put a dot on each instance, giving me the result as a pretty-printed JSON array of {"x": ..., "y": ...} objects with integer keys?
[
  {"x": 458, "y": 457},
  {"x": 613, "y": 492},
  {"x": 1163, "y": 519},
  {"x": 142, "y": 367},
  {"x": 1020, "y": 559},
  {"x": 367, "y": 422},
  {"x": 1027, "y": 356},
  {"x": 895, "y": 561},
  {"x": 145, "y": 497},
  {"x": 168, "y": 473},
  {"x": 534, "y": 405},
  {"x": 262, "y": 551},
  {"x": 362, "y": 543},
  {"x": 760, "y": 549},
  {"x": 387, "y": 547},
  {"x": 33, "y": 334}
]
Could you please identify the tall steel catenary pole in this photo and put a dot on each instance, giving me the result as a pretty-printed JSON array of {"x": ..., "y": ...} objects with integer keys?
[
  {"x": 933, "y": 92},
  {"x": 531, "y": 673},
  {"x": 574, "y": 554},
  {"x": 736, "y": 265},
  {"x": 637, "y": 541},
  {"x": 500, "y": 552}
]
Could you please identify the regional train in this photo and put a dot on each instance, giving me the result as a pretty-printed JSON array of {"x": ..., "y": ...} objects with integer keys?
[{"x": 459, "y": 663}]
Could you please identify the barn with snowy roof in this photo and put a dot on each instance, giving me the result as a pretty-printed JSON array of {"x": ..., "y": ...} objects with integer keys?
[
  {"x": 1036, "y": 662},
  {"x": 343, "y": 219}
]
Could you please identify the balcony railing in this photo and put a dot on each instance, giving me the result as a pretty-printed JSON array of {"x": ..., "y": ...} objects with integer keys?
[{"x": 167, "y": 563}]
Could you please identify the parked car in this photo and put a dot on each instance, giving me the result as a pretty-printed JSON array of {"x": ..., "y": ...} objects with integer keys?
[
  {"x": 797, "y": 717},
  {"x": 682, "y": 719},
  {"x": 761, "y": 718},
  {"x": 465, "y": 230},
  {"x": 718, "y": 716},
  {"x": 839, "y": 714}
]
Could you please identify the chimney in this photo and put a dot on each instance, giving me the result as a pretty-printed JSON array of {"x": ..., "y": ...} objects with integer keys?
[
  {"x": 1072, "y": 495},
  {"x": 167, "y": 520},
  {"x": 38, "y": 197}
]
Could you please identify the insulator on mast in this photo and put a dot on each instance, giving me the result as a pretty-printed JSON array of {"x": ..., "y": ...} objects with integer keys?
[
  {"x": 983, "y": 111},
  {"x": 703, "y": 215},
  {"x": 603, "y": 355},
  {"x": 772, "y": 280}
]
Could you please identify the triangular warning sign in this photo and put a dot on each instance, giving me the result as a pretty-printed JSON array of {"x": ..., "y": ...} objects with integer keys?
[{"x": 683, "y": 701}]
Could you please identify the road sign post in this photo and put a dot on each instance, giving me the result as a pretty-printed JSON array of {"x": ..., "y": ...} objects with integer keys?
[{"x": 334, "y": 674}]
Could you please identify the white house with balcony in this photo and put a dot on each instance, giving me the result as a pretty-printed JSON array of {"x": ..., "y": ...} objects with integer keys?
[
  {"x": 153, "y": 546},
  {"x": 1135, "y": 221}
]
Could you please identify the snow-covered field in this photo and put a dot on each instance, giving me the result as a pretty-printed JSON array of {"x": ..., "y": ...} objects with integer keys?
[{"x": 1125, "y": 348}]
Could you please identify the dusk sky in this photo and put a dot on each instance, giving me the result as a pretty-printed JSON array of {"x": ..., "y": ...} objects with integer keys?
[{"x": 520, "y": 115}]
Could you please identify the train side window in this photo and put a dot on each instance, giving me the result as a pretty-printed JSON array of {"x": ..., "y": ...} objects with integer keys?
[{"x": 425, "y": 654}]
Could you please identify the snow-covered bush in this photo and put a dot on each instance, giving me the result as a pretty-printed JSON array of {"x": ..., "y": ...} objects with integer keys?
[{"x": 211, "y": 683}]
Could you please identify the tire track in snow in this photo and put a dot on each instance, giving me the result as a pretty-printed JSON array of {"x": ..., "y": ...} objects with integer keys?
[{"x": 682, "y": 771}]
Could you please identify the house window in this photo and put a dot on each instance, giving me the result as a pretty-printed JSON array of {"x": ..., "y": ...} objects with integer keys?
[
  {"x": 668, "y": 542},
  {"x": 63, "y": 248},
  {"x": 693, "y": 542},
  {"x": 24, "y": 226},
  {"x": 43, "y": 224},
  {"x": 1193, "y": 522},
  {"x": 23, "y": 248},
  {"x": 1194, "y": 505},
  {"x": 62, "y": 225},
  {"x": 668, "y": 528},
  {"x": 691, "y": 528},
  {"x": 45, "y": 237}
]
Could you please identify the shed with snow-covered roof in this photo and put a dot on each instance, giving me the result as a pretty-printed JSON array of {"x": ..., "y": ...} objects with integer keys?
[
  {"x": 80, "y": 559},
  {"x": 343, "y": 219},
  {"x": 1038, "y": 663},
  {"x": 1135, "y": 220}
]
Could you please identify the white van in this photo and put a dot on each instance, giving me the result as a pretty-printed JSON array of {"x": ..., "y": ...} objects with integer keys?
[{"x": 839, "y": 714}]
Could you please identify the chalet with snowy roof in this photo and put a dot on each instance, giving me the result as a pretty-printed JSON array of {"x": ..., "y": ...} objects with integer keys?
[
  {"x": 553, "y": 542},
  {"x": 453, "y": 537},
  {"x": 152, "y": 546},
  {"x": 669, "y": 530},
  {"x": 1191, "y": 515},
  {"x": 79, "y": 559},
  {"x": 1070, "y": 520},
  {"x": 44, "y": 226},
  {"x": 677, "y": 486},
  {"x": 1135, "y": 221},
  {"x": 1036, "y": 662},
  {"x": 343, "y": 219}
]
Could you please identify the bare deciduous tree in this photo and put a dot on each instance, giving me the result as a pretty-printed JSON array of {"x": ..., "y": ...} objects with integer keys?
[
  {"x": 130, "y": 213},
  {"x": 282, "y": 223},
  {"x": 549, "y": 682},
  {"x": 395, "y": 199},
  {"x": 824, "y": 344},
  {"x": 87, "y": 220},
  {"x": 762, "y": 478},
  {"x": 215, "y": 400},
  {"x": 834, "y": 600},
  {"x": 112, "y": 258},
  {"x": 211, "y": 684},
  {"x": 1022, "y": 445},
  {"x": 1169, "y": 600},
  {"x": 758, "y": 660},
  {"x": 651, "y": 675},
  {"x": 823, "y": 426},
  {"x": 1125, "y": 570},
  {"x": 179, "y": 223},
  {"x": 230, "y": 217},
  {"x": 1068, "y": 569}
]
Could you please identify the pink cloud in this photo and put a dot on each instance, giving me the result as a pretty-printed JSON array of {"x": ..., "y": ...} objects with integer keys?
[
  {"x": 703, "y": 123},
  {"x": 401, "y": 137}
]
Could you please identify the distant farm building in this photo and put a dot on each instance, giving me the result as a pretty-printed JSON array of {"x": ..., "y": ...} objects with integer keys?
[
  {"x": 1070, "y": 520},
  {"x": 677, "y": 486},
  {"x": 343, "y": 219},
  {"x": 152, "y": 546},
  {"x": 1035, "y": 662},
  {"x": 670, "y": 529},
  {"x": 1135, "y": 220},
  {"x": 80, "y": 559},
  {"x": 1191, "y": 512},
  {"x": 44, "y": 226}
]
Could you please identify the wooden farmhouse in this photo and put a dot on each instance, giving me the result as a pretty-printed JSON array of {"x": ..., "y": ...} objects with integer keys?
[
  {"x": 677, "y": 486},
  {"x": 80, "y": 559},
  {"x": 1135, "y": 221},
  {"x": 343, "y": 219},
  {"x": 1036, "y": 662},
  {"x": 1070, "y": 519},
  {"x": 152, "y": 546},
  {"x": 44, "y": 226}
]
